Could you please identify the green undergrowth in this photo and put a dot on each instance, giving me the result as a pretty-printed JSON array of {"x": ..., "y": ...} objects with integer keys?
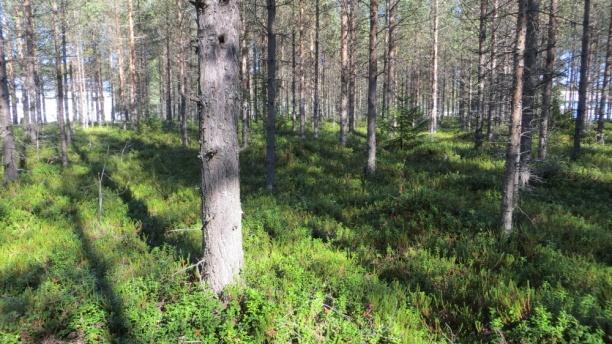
[{"x": 409, "y": 256}]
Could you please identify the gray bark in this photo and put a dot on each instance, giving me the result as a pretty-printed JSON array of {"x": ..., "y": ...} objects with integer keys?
[
  {"x": 344, "y": 77},
  {"x": 271, "y": 99},
  {"x": 372, "y": 76},
  {"x": 30, "y": 82},
  {"x": 433, "y": 125},
  {"x": 529, "y": 91},
  {"x": 60, "y": 86},
  {"x": 509, "y": 186},
  {"x": 218, "y": 46},
  {"x": 478, "y": 106},
  {"x": 549, "y": 69},
  {"x": 9, "y": 153},
  {"x": 315, "y": 107}
]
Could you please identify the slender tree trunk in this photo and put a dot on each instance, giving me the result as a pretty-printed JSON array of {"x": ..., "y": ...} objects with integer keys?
[
  {"x": 120, "y": 65},
  {"x": 549, "y": 70},
  {"x": 352, "y": 38},
  {"x": 529, "y": 91},
  {"x": 315, "y": 113},
  {"x": 372, "y": 76},
  {"x": 301, "y": 74},
  {"x": 245, "y": 74},
  {"x": 65, "y": 72},
  {"x": 168, "y": 74},
  {"x": 389, "y": 84},
  {"x": 603, "y": 101},
  {"x": 584, "y": 80},
  {"x": 479, "y": 104},
  {"x": 293, "y": 80},
  {"x": 433, "y": 125},
  {"x": 60, "y": 85},
  {"x": 12, "y": 85},
  {"x": 41, "y": 108},
  {"x": 493, "y": 79},
  {"x": 30, "y": 82},
  {"x": 182, "y": 87},
  {"x": 133, "y": 111},
  {"x": 218, "y": 46},
  {"x": 9, "y": 153},
  {"x": 271, "y": 104},
  {"x": 100, "y": 89},
  {"x": 509, "y": 186},
  {"x": 344, "y": 77}
]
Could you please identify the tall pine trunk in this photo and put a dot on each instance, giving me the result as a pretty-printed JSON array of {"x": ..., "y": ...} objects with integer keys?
[
  {"x": 271, "y": 99},
  {"x": 529, "y": 90},
  {"x": 478, "y": 106},
  {"x": 584, "y": 80},
  {"x": 549, "y": 71},
  {"x": 9, "y": 153},
  {"x": 60, "y": 86},
  {"x": 344, "y": 70},
  {"x": 315, "y": 105},
  {"x": 372, "y": 76},
  {"x": 433, "y": 124},
  {"x": 133, "y": 110},
  {"x": 509, "y": 186},
  {"x": 218, "y": 46},
  {"x": 603, "y": 101}
]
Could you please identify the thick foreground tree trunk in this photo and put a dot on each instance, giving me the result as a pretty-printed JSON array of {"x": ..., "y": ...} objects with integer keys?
[
  {"x": 509, "y": 189},
  {"x": 218, "y": 46}
]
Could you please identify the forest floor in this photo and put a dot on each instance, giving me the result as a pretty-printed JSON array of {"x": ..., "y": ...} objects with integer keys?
[{"x": 412, "y": 255}]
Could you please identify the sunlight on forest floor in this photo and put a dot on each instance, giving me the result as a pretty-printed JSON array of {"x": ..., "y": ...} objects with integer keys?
[{"x": 411, "y": 255}]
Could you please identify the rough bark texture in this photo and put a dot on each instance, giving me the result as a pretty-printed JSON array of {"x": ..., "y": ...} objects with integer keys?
[
  {"x": 603, "y": 101},
  {"x": 433, "y": 124},
  {"x": 529, "y": 90},
  {"x": 271, "y": 104},
  {"x": 509, "y": 189},
  {"x": 584, "y": 79},
  {"x": 9, "y": 154},
  {"x": 372, "y": 76},
  {"x": 218, "y": 48},
  {"x": 549, "y": 70}
]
